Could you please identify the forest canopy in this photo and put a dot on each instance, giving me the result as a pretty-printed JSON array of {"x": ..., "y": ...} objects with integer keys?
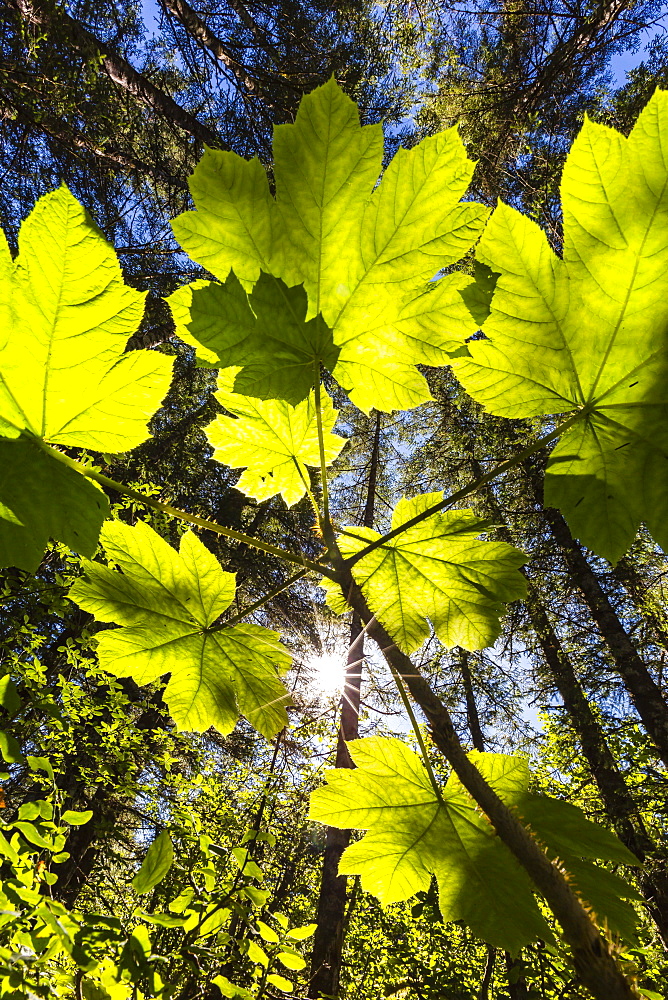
[{"x": 333, "y": 355}]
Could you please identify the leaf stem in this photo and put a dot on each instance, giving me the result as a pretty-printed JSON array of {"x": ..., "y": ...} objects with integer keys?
[
  {"x": 472, "y": 487},
  {"x": 325, "y": 522},
  {"x": 259, "y": 603},
  {"x": 111, "y": 484},
  {"x": 416, "y": 729}
]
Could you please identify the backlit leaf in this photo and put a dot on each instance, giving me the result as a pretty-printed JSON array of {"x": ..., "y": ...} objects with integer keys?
[
  {"x": 365, "y": 252},
  {"x": 266, "y": 333},
  {"x": 413, "y": 834},
  {"x": 438, "y": 571},
  {"x": 159, "y": 859},
  {"x": 65, "y": 378},
  {"x": 167, "y": 603},
  {"x": 272, "y": 440},
  {"x": 589, "y": 332}
]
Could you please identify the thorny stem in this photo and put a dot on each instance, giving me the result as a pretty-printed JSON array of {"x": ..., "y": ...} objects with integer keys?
[
  {"x": 111, "y": 484},
  {"x": 472, "y": 487}
]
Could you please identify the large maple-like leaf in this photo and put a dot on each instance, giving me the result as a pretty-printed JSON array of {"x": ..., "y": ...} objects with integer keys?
[
  {"x": 589, "y": 333},
  {"x": 438, "y": 570},
  {"x": 365, "y": 252},
  {"x": 414, "y": 834},
  {"x": 266, "y": 332},
  {"x": 167, "y": 604},
  {"x": 65, "y": 378},
  {"x": 271, "y": 440}
]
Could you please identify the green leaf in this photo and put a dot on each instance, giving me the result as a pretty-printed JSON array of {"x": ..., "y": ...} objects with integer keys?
[
  {"x": 163, "y": 919},
  {"x": 75, "y": 818},
  {"x": 272, "y": 440},
  {"x": 159, "y": 859},
  {"x": 9, "y": 748},
  {"x": 365, "y": 252},
  {"x": 301, "y": 933},
  {"x": 167, "y": 602},
  {"x": 9, "y": 696},
  {"x": 231, "y": 990},
  {"x": 414, "y": 834},
  {"x": 65, "y": 377},
  {"x": 267, "y": 933},
  {"x": 257, "y": 954},
  {"x": 32, "y": 834},
  {"x": 266, "y": 333},
  {"x": 290, "y": 960},
  {"x": 50, "y": 501},
  {"x": 588, "y": 332},
  {"x": 40, "y": 764},
  {"x": 436, "y": 570},
  {"x": 280, "y": 982}
]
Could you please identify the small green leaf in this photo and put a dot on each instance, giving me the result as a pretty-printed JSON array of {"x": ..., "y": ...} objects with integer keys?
[
  {"x": 246, "y": 863},
  {"x": 159, "y": 859},
  {"x": 163, "y": 919},
  {"x": 40, "y": 764},
  {"x": 257, "y": 954},
  {"x": 280, "y": 982},
  {"x": 32, "y": 834},
  {"x": 9, "y": 748},
  {"x": 230, "y": 990},
  {"x": 301, "y": 933},
  {"x": 290, "y": 960},
  {"x": 75, "y": 818},
  {"x": 7, "y": 849},
  {"x": 266, "y": 933},
  {"x": 9, "y": 696}
]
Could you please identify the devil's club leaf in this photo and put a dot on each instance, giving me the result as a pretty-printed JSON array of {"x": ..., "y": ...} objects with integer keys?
[
  {"x": 363, "y": 251},
  {"x": 271, "y": 440},
  {"x": 64, "y": 375},
  {"x": 437, "y": 570},
  {"x": 265, "y": 332},
  {"x": 413, "y": 835},
  {"x": 590, "y": 332},
  {"x": 159, "y": 859},
  {"x": 167, "y": 602},
  {"x": 42, "y": 499}
]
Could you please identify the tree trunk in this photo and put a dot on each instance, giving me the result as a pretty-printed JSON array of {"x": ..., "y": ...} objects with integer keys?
[
  {"x": 331, "y": 916},
  {"x": 118, "y": 70},
  {"x": 617, "y": 798},
  {"x": 643, "y": 689}
]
